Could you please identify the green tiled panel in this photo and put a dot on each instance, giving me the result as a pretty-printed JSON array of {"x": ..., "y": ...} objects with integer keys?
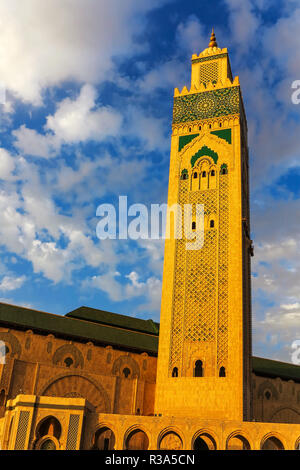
[
  {"x": 211, "y": 57},
  {"x": 223, "y": 134},
  {"x": 204, "y": 151},
  {"x": 185, "y": 139},
  {"x": 208, "y": 104}
]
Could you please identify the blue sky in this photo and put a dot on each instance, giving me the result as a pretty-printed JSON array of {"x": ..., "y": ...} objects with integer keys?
[{"x": 87, "y": 117}]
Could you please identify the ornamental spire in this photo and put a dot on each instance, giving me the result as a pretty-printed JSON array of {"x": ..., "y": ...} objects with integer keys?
[{"x": 213, "y": 42}]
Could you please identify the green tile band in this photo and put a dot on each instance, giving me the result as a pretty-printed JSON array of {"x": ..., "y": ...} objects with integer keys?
[{"x": 206, "y": 105}]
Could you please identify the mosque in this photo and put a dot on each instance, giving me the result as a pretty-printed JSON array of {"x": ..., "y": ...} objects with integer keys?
[{"x": 98, "y": 380}]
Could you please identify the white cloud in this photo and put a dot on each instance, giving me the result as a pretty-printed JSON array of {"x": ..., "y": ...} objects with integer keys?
[
  {"x": 74, "y": 121},
  {"x": 294, "y": 306},
  {"x": 150, "y": 130},
  {"x": 118, "y": 291},
  {"x": 80, "y": 120},
  {"x": 9, "y": 283},
  {"x": 108, "y": 284},
  {"x": 30, "y": 142},
  {"x": 7, "y": 164},
  {"x": 244, "y": 22},
  {"x": 191, "y": 36},
  {"x": 45, "y": 43}
]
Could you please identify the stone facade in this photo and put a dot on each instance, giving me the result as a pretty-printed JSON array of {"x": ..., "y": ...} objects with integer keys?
[{"x": 97, "y": 380}]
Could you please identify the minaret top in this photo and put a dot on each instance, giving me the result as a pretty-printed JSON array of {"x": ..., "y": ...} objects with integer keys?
[
  {"x": 212, "y": 48},
  {"x": 213, "y": 42}
]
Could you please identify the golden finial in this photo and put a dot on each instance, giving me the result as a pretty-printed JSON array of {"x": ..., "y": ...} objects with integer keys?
[{"x": 213, "y": 42}]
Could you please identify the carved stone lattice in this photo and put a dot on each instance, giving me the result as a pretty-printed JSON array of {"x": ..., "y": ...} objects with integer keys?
[
  {"x": 209, "y": 72},
  {"x": 200, "y": 298},
  {"x": 222, "y": 348}
]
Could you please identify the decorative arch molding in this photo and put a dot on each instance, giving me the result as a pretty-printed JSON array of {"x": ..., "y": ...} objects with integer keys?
[
  {"x": 276, "y": 436},
  {"x": 105, "y": 424},
  {"x": 78, "y": 385},
  {"x": 267, "y": 385},
  {"x": 14, "y": 343},
  {"x": 216, "y": 147},
  {"x": 297, "y": 444},
  {"x": 102, "y": 427},
  {"x": 68, "y": 350},
  {"x": 285, "y": 409},
  {"x": 203, "y": 152},
  {"x": 121, "y": 362},
  {"x": 170, "y": 430},
  {"x": 43, "y": 420},
  {"x": 240, "y": 434},
  {"x": 208, "y": 433},
  {"x": 132, "y": 429},
  {"x": 136, "y": 427}
]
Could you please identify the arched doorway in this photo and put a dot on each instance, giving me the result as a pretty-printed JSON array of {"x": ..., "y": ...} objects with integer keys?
[
  {"x": 171, "y": 441},
  {"x": 49, "y": 426},
  {"x": 48, "y": 433},
  {"x": 204, "y": 442},
  {"x": 104, "y": 439},
  {"x": 272, "y": 443},
  {"x": 238, "y": 442},
  {"x": 137, "y": 440}
]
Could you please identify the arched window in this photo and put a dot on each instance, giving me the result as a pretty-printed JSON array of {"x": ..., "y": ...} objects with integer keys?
[
  {"x": 184, "y": 174},
  {"x": 50, "y": 426},
  {"x": 195, "y": 174},
  {"x": 190, "y": 129},
  {"x": 198, "y": 370},
  {"x": 212, "y": 173},
  {"x": 104, "y": 439},
  {"x": 268, "y": 395},
  {"x": 175, "y": 372},
  {"x": 224, "y": 169},
  {"x": 222, "y": 372},
  {"x": 203, "y": 174},
  {"x": 68, "y": 361},
  {"x": 212, "y": 224},
  {"x": 199, "y": 128},
  {"x": 126, "y": 372},
  {"x": 48, "y": 444},
  {"x": 193, "y": 225},
  {"x": 137, "y": 440}
]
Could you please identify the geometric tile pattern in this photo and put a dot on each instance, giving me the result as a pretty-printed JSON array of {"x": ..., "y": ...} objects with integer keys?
[
  {"x": 200, "y": 295},
  {"x": 72, "y": 432},
  {"x": 204, "y": 59},
  {"x": 201, "y": 273},
  {"x": 209, "y": 72},
  {"x": 209, "y": 104},
  {"x": 22, "y": 430},
  {"x": 222, "y": 340}
]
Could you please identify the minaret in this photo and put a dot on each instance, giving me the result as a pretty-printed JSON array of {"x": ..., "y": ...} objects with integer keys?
[{"x": 205, "y": 329}]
